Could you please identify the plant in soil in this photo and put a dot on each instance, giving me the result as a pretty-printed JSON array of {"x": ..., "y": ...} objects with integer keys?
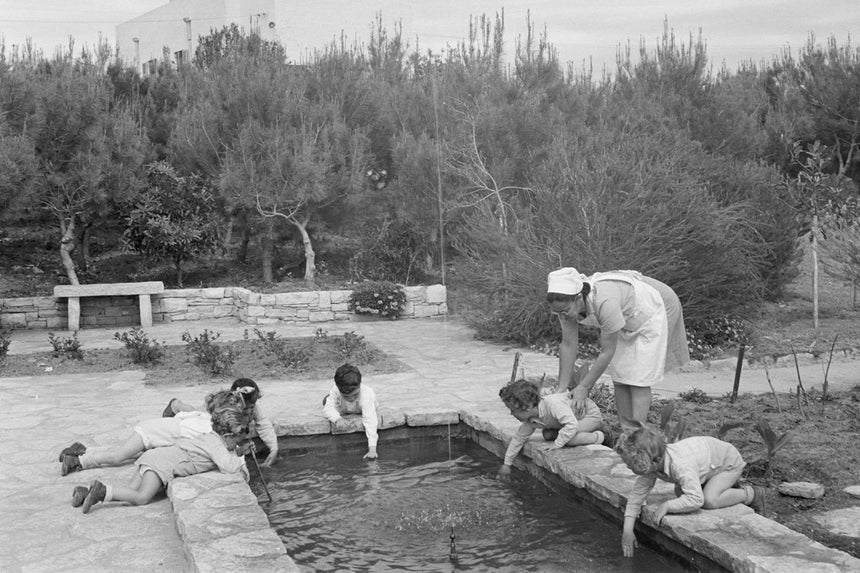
[{"x": 141, "y": 349}]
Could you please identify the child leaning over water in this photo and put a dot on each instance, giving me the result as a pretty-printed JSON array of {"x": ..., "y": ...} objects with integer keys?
[
  {"x": 349, "y": 396},
  {"x": 261, "y": 425},
  {"x": 705, "y": 472},
  {"x": 148, "y": 434},
  {"x": 550, "y": 412},
  {"x": 187, "y": 456}
]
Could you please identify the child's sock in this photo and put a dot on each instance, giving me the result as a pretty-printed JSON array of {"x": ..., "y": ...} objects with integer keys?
[
  {"x": 600, "y": 437},
  {"x": 750, "y": 493},
  {"x": 86, "y": 460},
  {"x": 108, "y": 492}
]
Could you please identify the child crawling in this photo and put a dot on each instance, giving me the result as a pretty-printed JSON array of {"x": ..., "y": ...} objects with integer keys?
[
  {"x": 553, "y": 414},
  {"x": 187, "y": 456},
  {"x": 705, "y": 472}
]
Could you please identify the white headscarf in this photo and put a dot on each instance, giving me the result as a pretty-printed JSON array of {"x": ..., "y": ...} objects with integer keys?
[{"x": 566, "y": 280}]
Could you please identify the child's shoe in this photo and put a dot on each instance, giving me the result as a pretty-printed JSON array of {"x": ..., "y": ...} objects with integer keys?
[
  {"x": 78, "y": 495},
  {"x": 168, "y": 411},
  {"x": 549, "y": 434},
  {"x": 70, "y": 464},
  {"x": 95, "y": 494},
  {"x": 75, "y": 449}
]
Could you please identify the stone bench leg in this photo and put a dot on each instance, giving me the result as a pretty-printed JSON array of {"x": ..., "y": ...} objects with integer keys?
[
  {"x": 74, "y": 313},
  {"x": 145, "y": 311}
]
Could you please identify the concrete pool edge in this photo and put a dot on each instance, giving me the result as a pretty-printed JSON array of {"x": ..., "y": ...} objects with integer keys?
[{"x": 223, "y": 527}]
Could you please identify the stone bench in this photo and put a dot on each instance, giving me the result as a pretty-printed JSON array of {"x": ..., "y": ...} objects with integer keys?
[{"x": 143, "y": 290}]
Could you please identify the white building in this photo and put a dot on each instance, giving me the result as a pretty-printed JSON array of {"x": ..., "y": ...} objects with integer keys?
[{"x": 304, "y": 26}]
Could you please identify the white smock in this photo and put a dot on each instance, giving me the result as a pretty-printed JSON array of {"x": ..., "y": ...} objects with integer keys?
[{"x": 640, "y": 353}]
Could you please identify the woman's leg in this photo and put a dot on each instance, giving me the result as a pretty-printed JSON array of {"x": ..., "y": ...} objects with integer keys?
[
  {"x": 149, "y": 485},
  {"x": 640, "y": 402},
  {"x": 115, "y": 457},
  {"x": 719, "y": 491},
  {"x": 623, "y": 400}
]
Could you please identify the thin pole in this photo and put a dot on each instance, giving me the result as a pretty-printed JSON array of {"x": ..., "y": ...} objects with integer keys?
[
  {"x": 439, "y": 199},
  {"x": 260, "y": 471},
  {"x": 738, "y": 369}
]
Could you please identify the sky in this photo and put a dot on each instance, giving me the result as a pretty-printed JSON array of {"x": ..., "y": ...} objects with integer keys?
[{"x": 583, "y": 31}]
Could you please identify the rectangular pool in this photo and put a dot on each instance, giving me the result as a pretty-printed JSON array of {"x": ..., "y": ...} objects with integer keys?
[{"x": 335, "y": 511}]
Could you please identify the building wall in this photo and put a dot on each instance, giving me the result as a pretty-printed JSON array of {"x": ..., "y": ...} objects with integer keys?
[{"x": 196, "y": 304}]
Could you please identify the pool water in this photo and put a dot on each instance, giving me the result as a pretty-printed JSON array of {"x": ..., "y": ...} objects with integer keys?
[{"x": 338, "y": 512}]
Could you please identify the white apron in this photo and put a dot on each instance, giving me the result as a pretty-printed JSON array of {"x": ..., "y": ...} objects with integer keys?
[{"x": 640, "y": 355}]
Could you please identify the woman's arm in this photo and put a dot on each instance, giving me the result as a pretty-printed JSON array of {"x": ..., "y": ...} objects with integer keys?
[
  {"x": 608, "y": 343},
  {"x": 567, "y": 351}
]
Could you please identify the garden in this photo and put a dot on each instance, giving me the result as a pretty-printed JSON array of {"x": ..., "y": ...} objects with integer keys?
[{"x": 369, "y": 163}]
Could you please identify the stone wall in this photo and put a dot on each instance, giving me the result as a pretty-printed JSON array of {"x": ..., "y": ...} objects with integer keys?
[{"x": 195, "y": 304}]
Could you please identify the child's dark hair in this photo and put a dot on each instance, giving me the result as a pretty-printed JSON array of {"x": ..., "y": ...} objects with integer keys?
[
  {"x": 248, "y": 389},
  {"x": 642, "y": 449},
  {"x": 520, "y": 395},
  {"x": 347, "y": 378}
]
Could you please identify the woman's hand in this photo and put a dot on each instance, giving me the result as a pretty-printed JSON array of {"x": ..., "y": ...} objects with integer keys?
[{"x": 580, "y": 398}]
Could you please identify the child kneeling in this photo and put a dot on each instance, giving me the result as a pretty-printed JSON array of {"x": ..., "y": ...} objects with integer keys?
[
  {"x": 705, "y": 472},
  {"x": 187, "y": 456},
  {"x": 553, "y": 414}
]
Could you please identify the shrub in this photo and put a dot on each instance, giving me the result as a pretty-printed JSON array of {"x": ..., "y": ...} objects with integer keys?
[
  {"x": 70, "y": 347},
  {"x": 396, "y": 252},
  {"x": 210, "y": 357},
  {"x": 291, "y": 357},
  {"x": 352, "y": 347},
  {"x": 695, "y": 395},
  {"x": 142, "y": 349},
  {"x": 383, "y": 298},
  {"x": 5, "y": 341},
  {"x": 704, "y": 336}
]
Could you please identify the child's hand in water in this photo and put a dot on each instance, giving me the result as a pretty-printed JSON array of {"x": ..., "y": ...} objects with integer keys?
[
  {"x": 371, "y": 454},
  {"x": 505, "y": 472},
  {"x": 628, "y": 543}
]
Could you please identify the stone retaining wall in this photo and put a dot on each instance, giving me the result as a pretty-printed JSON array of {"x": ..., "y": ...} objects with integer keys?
[{"x": 51, "y": 313}]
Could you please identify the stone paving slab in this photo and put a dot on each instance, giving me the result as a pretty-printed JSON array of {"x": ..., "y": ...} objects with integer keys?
[{"x": 449, "y": 372}]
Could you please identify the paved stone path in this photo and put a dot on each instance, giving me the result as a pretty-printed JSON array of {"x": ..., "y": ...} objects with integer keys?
[{"x": 42, "y": 532}]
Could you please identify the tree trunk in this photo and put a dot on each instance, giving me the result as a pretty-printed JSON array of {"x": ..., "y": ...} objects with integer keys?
[
  {"x": 178, "y": 266},
  {"x": 67, "y": 246},
  {"x": 228, "y": 235},
  {"x": 82, "y": 248},
  {"x": 266, "y": 250},
  {"x": 242, "y": 255},
  {"x": 310, "y": 266}
]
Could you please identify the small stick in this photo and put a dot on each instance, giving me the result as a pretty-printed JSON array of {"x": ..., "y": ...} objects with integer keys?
[
  {"x": 738, "y": 369},
  {"x": 772, "y": 391},
  {"x": 260, "y": 471},
  {"x": 827, "y": 371},
  {"x": 516, "y": 367},
  {"x": 797, "y": 369}
]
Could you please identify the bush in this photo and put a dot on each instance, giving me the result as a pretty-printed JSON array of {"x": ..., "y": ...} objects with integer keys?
[
  {"x": 142, "y": 349},
  {"x": 211, "y": 358},
  {"x": 352, "y": 347},
  {"x": 70, "y": 347},
  {"x": 721, "y": 332},
  {"x": 383, "y": 298},
  {"x": 396, "y": 252},
  {"x": 5, "y": 341},
  {"x": 695, "y": 395},
  {"x": 290, "y": 356}
]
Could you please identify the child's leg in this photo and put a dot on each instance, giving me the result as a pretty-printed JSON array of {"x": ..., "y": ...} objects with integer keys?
[
  {"x": 115, "y": 457},
  {"x": 142, "y": 490},
  {"x": 719, "y": 491},
  {"x": 588, "y": 427}
]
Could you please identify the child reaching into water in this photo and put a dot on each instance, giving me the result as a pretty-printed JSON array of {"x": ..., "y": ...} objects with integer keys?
[
  {"x": 705, "y": 472},
  {"x": 349, "y": 396},
  {"x": 553, "y": 413},
  {"x": 188, "y": 456},
  {"x": 148, "y": 434},
  {"x": 261, "y": 425}
]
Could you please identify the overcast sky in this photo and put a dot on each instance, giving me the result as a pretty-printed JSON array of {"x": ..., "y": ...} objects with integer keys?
[{"x": 735, "y": 30}]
